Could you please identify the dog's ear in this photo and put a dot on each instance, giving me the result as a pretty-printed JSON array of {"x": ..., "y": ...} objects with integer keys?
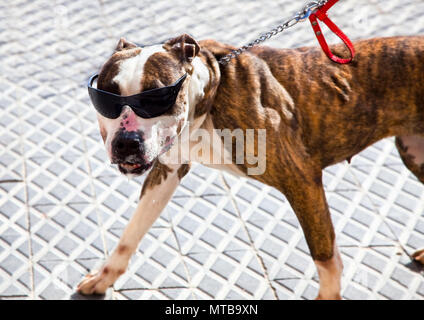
[
  {"x": 185, "y": 46},
  {"x": 123, "y": 44}
]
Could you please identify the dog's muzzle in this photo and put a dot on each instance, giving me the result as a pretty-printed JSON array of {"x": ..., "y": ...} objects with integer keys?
[{"x": 128, "y": 153}]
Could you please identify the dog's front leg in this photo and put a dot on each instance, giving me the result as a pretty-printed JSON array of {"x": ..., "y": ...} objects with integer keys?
[
  {"x": 157, "y": 190},
  {"x": 305, "y": 192}
]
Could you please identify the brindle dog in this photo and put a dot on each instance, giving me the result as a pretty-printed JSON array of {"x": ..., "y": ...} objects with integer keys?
[{"x": 316, "y": 113}]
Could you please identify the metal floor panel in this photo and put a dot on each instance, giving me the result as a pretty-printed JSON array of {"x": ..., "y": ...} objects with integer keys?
[{"x": 63, "y": 208}]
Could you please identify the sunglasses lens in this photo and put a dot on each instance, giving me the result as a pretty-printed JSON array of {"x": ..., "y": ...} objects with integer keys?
[
  {"x": 148, "y": 104},
  {"x": 105, "y": 104},
  {"x": 108, "y": 112}
]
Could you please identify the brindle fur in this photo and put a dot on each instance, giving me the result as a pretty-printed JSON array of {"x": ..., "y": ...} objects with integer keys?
[
  {"x": 336, "y": 111},
  {"x": 316, "y": 113}
]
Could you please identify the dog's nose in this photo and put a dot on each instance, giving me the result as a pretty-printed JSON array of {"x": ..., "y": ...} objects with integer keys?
[{"x": 127, "y": 144}]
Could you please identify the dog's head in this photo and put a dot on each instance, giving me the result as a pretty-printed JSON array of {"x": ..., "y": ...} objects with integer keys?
[{"x": 133, "y": 142}]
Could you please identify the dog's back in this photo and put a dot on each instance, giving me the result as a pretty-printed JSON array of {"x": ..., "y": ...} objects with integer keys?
[{"x": 341, "y": 109}]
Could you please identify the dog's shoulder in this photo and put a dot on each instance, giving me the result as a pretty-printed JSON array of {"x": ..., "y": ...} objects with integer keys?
[{"x": 218, "y": 49}]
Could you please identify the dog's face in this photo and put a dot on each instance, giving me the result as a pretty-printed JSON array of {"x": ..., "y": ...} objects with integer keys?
[{"x": 132, "y": 142}]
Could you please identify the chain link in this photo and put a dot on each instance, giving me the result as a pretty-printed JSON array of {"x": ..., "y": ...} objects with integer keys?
[{"x": 302, "y": 15}]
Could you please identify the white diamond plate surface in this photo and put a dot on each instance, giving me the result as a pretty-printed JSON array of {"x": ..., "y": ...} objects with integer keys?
[{"x": 63, "y": 208}]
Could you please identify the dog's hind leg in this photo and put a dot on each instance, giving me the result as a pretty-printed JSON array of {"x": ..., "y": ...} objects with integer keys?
[
  {"x": 158, "y": 188},
  {"x": 411, "y": 150},
  {"x": 305, "y": 192}
]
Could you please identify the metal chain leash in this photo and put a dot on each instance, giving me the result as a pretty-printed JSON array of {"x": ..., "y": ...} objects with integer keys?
[{"x": 302, "y": 15}]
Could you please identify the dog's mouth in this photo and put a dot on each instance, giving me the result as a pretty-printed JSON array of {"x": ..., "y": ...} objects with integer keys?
[
  {"x": 134, "y": 164},
  {"x": 134, "y": 168}
]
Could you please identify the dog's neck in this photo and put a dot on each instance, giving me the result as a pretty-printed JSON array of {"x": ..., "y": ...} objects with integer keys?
[
  {"x": 199, "y": 82},
  {"x": 204, "y": 83}
]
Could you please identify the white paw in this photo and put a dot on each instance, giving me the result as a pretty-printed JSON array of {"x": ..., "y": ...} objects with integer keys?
[
  {"x": 97, "y": 282},
  {"x": 419, "y": 256}
]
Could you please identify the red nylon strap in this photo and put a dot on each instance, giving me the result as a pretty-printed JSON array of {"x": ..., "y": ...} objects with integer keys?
[{"x": 321, "y": 14}]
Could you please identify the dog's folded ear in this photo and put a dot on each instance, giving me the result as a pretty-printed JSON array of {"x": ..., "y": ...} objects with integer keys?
[
  {"x": 123, "y": 44},
  {"x": 185, "y": 46}
]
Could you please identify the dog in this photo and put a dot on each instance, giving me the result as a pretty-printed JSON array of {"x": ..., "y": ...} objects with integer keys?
[{"x": 316, "y": 113}]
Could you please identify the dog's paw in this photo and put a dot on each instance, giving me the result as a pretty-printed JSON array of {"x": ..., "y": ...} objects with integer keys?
[
  {"x": 419, "y": 256},
  {"x": 97, "y": 282}
]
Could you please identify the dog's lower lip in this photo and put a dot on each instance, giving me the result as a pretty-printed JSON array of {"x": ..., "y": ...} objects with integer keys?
[
  {"x": 129, "y": 166},
  {"x": 136, "y": 168}
]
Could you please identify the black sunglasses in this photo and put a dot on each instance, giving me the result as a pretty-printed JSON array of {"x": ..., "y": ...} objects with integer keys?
[{"x": 147, "y": 104}]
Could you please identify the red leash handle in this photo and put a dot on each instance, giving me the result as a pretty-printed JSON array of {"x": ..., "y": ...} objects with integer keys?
[{"x": 321, "y": 14}]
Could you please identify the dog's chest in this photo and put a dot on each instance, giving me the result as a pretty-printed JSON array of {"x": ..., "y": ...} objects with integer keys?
[
  {"x": 220, "y": 156},
  {"x": 207, "y": 147},
  {"x": 201, "y": 143}
]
